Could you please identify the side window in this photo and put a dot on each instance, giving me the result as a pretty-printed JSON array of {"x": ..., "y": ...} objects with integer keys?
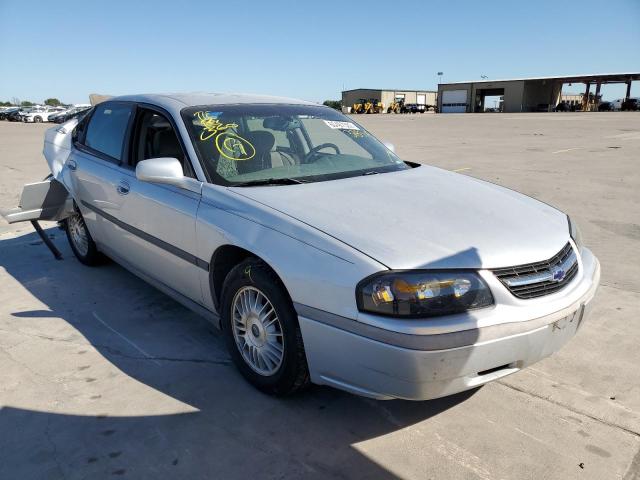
[
  {"x": 156, "y": 138},
  {"x": 78, "y": 132},
  {"x": 107, "y": 128}
]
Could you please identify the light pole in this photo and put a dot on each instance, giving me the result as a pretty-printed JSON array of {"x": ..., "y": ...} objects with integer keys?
[{"x": 440, "y": 75}]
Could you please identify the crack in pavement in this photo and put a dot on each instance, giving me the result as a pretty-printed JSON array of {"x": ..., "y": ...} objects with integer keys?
[
  {"x": 623, "y": 289},
  {"x": 567, "y": 407},
  {"x": 168, "y": 359},
  {"x": 47, "y": 435},
  {"x": 633, "y": 472},
  {"x": 42, "y": 337},
  {"x": 22, "y": 364},
  {"x": 112, "y": 351}
]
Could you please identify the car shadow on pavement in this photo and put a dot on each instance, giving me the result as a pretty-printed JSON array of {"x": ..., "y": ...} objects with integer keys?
[{"x": 167, "y": 402}]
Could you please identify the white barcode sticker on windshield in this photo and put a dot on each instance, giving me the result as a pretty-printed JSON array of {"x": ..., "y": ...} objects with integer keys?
[{"x": 341, "y": 125}]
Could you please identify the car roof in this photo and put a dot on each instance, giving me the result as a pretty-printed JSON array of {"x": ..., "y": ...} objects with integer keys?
[{"x": 174, "y": 102}]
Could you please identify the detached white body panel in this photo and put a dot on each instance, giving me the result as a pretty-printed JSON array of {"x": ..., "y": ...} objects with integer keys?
[{"x": 46, "y": 200}]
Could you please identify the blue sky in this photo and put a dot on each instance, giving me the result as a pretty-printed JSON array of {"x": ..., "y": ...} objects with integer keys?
[{"x": 68, "y": 49}]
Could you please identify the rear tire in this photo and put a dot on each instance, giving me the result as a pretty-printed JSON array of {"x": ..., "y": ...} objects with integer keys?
[
  {"x": 83, "y": 246},
  {"x": 37, "y": 120},
  {"x": 261, "y": 329}
]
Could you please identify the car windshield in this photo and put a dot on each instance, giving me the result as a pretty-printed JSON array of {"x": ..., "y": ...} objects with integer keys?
[{"x": 253, "y": 144}]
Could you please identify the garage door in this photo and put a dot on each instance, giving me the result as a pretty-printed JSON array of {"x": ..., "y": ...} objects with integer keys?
[
  {"x": 454, "y": 101},
  {"x": 422, "y": 99}
]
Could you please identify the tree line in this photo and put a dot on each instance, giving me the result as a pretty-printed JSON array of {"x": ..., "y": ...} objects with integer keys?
[
  {"x": 337, "y": 104},
  {"x": 15, "y": 102}
]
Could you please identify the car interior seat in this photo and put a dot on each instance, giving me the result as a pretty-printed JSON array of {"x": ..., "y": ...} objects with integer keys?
[
  {"x": 263, "y": 142},
  {"x": 165, "y": 144}
]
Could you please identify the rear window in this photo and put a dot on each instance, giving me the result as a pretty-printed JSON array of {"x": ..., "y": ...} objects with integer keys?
[{"x": 107, "y": 128}]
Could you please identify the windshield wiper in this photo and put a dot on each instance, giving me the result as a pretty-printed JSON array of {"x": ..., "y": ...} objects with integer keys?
[{"x": 269, "y": 181}]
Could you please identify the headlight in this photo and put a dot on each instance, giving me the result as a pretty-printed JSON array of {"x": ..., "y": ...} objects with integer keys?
[
  {"x": 575, "y": 233},
  {"x": 422, "y": 293}
]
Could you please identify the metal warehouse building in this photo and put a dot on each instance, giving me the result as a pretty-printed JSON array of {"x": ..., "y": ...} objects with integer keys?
[
  {"x": 521, "y": 95},
  {"x": 388, "y": 96}
]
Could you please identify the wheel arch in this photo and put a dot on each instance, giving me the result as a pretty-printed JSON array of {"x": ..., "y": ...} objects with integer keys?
[{"x": 223, "y": 260}]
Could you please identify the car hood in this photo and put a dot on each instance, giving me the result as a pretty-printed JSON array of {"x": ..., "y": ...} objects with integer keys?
[{"x": 424, "y": 217}]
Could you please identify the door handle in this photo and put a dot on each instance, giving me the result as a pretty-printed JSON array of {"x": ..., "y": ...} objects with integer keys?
[
  {"x": 72, "y": 165},
  {"x": 123, "y": 188}
]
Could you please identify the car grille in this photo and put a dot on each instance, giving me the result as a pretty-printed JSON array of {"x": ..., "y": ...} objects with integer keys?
[{"x": 540, "y": 278}]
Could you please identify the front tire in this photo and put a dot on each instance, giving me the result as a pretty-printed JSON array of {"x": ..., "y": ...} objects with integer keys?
[
  {"x": 83, "y": 246},
  {"x": 261, "y": 329}
]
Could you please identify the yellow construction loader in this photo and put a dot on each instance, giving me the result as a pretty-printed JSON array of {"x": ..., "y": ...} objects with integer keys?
[
  {"x": 367, "y": 106},
  {"x": 397, "y": 106}
]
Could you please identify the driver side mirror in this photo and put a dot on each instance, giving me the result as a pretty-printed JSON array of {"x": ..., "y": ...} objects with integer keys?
[
  {"x": 390, "y": 146},
  {"x": 166, "y": 171}
]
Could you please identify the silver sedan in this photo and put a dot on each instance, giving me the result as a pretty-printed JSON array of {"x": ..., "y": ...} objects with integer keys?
[{"x": 320, "y": 254}]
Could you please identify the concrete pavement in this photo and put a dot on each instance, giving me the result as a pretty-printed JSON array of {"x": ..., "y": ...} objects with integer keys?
[{"x": 102, "y": 376}]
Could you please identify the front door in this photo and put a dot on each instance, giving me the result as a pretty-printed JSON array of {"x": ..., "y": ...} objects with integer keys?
[{"x": 159, "y": 221}]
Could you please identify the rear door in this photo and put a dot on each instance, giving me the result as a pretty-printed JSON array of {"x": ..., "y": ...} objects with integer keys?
[{"x": 94, "y": 167}]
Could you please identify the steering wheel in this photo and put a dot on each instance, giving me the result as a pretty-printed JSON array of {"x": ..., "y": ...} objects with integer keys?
[{"x": 314, "y": 151}]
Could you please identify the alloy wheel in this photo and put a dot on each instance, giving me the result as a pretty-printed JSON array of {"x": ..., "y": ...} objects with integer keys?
[
  {"x": 257, "y": 331},
  {"x": 79, "y": 235}
]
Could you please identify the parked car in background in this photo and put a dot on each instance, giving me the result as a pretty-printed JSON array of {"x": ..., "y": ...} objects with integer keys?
[
  {"x": 235, "y": 206},
  {"x": 563, "y": 107},
  {"x": 40, "y": 114},
  {"x": 630, "y": 105},
  {"x": 69, "y": 114},
  {"x": 6, "y": 111},
  {"x": 16, "y": 115},
  {"x": 605, "y": 107},
  {"x": 52, "y": 117},
  {"x": 414, "y": 108}
]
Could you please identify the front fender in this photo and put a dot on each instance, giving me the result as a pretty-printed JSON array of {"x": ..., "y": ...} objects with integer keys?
[{"x": 316, "y": 269}]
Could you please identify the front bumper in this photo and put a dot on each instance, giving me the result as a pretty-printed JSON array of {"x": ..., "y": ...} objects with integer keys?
[{"x": 421, "y": 367}]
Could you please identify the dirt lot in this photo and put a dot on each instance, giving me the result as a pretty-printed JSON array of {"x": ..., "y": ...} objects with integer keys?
[{"x": 101, "y": 375}]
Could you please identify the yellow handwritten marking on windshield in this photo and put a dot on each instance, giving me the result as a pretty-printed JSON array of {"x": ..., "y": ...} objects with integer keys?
[
  {"x": 212, "y": 126},
  {"x": 355, "y": 133},
  {"x": 234, "y": 147}
]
